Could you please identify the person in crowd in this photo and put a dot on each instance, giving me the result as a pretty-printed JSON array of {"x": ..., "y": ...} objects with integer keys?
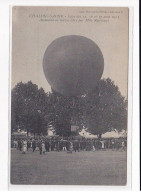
[
  {"x": 52, "y": 145},
  {"x": 113, "y": 144},
  {"x": 71, "y": 146},
  {"x": 93, "y": 146},
  {"x": 87, "y": 145},
  {"x": 106, "y": 144},
  {"x": 117, "y": 146},
  {"x": 68, "y": 145},
  {"x": 40, "y": 146},
  {"x": 64, "y": 145},
  {"x": 99, "y": 144},
  {"x": 43, "y": 147},
  {"x": 28, "y": 144},
  {"x": 20, "y": 145},
  {"x": 109, "y": 144},
  {"x": 15, "y": 144},
  {"x": 12, "y": 143},
  {"x": 61, "y": 145},
  {"x": 47, "y": 145},
  {"x": 96, "y": 144},
  {"x": 24, "y": 146},
  {"x": 76, "y": 145},
  {"x": 81, "y": 145},
  {"x": 102, "y": 144},
  {"x": 31, "y": 140},
  {"x": 33, "y": 145},
  {"x": 57, "y": 145},
  {"x": 123, "y": 145}
]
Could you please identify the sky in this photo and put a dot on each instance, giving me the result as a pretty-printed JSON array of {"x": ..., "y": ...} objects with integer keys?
[{"x": 31, "y": 37}]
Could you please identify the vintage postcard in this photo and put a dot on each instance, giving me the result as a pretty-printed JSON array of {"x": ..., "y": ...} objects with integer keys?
[{"x": 69, "y": 102}]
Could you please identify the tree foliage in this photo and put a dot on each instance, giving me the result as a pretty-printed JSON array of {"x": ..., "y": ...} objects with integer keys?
[
  {"x": 105, "y": 109},
  {"x": 28, "y": 108},
  {"x": 65, "y": 112},
  {"x": 101, "y": 110}
]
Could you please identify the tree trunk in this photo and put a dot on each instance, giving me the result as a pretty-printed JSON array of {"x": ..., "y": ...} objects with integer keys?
[{"x": 99, "y": 136}]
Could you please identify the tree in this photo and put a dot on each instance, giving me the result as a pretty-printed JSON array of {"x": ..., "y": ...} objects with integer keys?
[
  {"x": 101, "y": 110},
  {"x": 63, "y": 112},
  {"x": 28, "y": 108},
  {"x": 105, "y": 109}
]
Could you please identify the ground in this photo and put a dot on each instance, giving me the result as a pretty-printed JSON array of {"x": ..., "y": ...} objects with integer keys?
[{"x": 80, "y": 168}]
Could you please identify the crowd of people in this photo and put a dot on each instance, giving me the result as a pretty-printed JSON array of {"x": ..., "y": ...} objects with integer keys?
[{"x": 69, "y": 144}]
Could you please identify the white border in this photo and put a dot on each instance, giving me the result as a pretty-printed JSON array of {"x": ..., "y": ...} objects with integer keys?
[{"x": 4, "y": 39}]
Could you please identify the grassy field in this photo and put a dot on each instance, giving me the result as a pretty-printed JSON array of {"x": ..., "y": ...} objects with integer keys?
[{"x": 80, "y": 168}]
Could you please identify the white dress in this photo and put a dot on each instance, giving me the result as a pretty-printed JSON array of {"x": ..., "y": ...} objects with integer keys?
[
  {"x": 102, "y": 144},
  {"x": 71, "y": 146},
  {"x": 43, "y": 147},
  {"x": 24, "y": 146}
]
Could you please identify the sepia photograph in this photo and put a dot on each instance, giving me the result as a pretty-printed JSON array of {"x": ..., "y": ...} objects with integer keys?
[{"x": 69, "y": 95}]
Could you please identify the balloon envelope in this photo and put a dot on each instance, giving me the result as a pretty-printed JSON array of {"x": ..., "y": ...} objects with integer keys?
[{"x": 73, "y": 65}]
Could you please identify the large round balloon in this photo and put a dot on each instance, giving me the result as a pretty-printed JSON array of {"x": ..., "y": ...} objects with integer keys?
[{"x": 73, "y": 65}]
